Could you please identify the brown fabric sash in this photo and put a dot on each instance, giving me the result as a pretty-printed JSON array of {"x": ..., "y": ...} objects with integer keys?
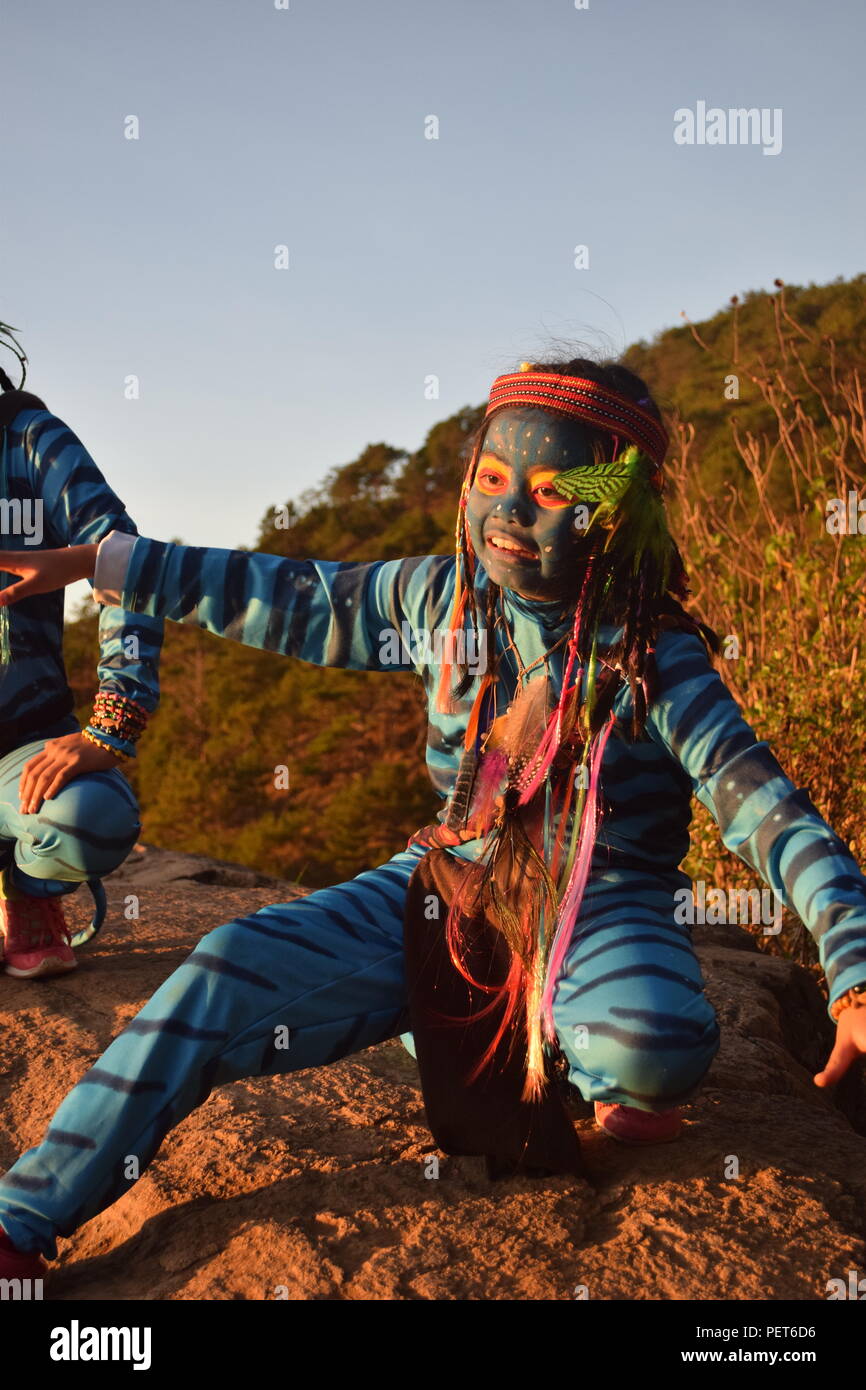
[{"x": 488, "y": 1116}]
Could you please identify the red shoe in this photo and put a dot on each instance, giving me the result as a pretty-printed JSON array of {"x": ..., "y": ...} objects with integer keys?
[
  {"x": 18, "y": 1264},
  {"x": 36, "y": 938},
  {"x": 632, "y": 1126}
]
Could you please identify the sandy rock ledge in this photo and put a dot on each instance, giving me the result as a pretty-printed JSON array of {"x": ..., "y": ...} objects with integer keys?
[{"x": 314, "y": 1187}]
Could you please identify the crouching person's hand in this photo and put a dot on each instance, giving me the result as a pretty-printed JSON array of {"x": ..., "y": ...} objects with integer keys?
[{"x": 47, "y": 772}]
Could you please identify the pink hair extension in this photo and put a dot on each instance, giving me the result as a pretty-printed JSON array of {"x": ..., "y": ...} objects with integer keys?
[
  {"x": 491, "y": 771},
  {"x": 573, "y": 896},
  {"x": 547, "y": 750}
]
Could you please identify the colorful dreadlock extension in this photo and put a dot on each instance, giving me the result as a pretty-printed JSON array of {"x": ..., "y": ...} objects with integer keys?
[
  {"x": 630, "y": 510},
  {"x": 8, "y": 340},
  {"x": 464, "y": 595}
]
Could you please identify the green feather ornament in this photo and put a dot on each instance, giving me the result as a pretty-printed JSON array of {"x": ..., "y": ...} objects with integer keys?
[
  {"x": 600, "y": 482},
  {"x": 627, "y": 506}
]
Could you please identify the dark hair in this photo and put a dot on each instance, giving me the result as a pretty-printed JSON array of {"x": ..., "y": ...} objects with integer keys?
[
  {"x": 11, "y": 343},
  {"x": 616, "y": 377},
  {"x": 610, "y": 590}
]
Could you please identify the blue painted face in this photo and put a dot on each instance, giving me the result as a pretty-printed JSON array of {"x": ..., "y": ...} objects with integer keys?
[{"x": 522, "y": 530}]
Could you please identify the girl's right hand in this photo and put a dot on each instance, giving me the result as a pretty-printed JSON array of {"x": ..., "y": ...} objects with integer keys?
[
  {"x": 849, "y": 1045},
  {"x": 44, "y": 571}
]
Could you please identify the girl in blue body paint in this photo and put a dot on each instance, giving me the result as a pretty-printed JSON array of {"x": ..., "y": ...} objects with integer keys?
[{"x": 623, "y": 991}]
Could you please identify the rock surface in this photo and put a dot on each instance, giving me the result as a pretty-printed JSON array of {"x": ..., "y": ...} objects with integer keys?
[{"x": 316, "y": 1186}]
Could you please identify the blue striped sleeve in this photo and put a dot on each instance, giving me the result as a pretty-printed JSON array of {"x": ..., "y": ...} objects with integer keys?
[
  {"x": 766, "y": 820},
  {"x": 355, "y": 615},
  {"x": 80, "y": 508}
]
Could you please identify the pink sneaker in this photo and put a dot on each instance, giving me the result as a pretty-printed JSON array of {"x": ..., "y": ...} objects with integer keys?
[
  {"x": 632, "y": 1126},
  {"x": 36, "y": 938},
  {"x": 17, "y": 1264}
]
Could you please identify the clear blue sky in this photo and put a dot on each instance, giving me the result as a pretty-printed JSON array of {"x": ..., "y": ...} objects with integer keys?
[{"x": 408, "y": 256}]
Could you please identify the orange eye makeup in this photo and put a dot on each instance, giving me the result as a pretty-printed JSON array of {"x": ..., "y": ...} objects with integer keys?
[
  {"x": 543, "y": 490},
  {"x": 491, "y": 476}
]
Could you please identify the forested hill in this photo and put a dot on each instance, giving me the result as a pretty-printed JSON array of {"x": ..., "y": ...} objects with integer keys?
[{"x": 353, "y": 743}]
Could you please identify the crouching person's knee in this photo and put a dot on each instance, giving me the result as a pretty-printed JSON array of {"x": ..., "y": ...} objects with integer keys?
[
  {"x": 222, "y": 940},
  {"x": 642, "y": 1057},
  {"x": 91, "y": 825}
]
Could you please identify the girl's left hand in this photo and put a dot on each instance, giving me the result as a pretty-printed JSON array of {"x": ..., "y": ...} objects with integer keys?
[
  {"x": 850, "y": 1044},
  {"x": 43, "y": 571},
  {"x": 47, "y": 772}
]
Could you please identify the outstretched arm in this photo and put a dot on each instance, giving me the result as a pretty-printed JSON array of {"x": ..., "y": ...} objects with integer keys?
[
  {"x": 763, "y": 817},
  {"x": 355, "y": 615}
]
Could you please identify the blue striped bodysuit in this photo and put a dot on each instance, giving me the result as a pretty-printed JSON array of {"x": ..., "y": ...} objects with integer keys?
[
  {"x": 326, "y": 971},
  {"x": 54, "y": 496}
]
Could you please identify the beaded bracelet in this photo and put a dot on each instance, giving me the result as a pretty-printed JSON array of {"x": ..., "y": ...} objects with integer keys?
[
  {"x": 114, "y": 697},
  {"x": 111, "y": 710},
  {"x": 117, "y": 723},
  {"x": 101, "y": 741},
  {"x": 852, "y": 998}
]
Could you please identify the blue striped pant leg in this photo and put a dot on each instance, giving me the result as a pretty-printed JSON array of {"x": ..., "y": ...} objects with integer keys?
[
  {"x": 85, "y": 831},
  {"x": 294, "y": 985},
  {"x": 630, "y": 1012}
]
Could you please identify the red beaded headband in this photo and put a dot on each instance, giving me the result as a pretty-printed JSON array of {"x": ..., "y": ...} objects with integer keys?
[{"x": 585, "y": 400}]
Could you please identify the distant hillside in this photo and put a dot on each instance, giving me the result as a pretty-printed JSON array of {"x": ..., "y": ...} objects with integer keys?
[{"x": 688, "y": 380}]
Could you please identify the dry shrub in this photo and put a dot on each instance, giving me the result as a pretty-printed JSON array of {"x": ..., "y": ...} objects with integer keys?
[{"x": 788, "y": 596}]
